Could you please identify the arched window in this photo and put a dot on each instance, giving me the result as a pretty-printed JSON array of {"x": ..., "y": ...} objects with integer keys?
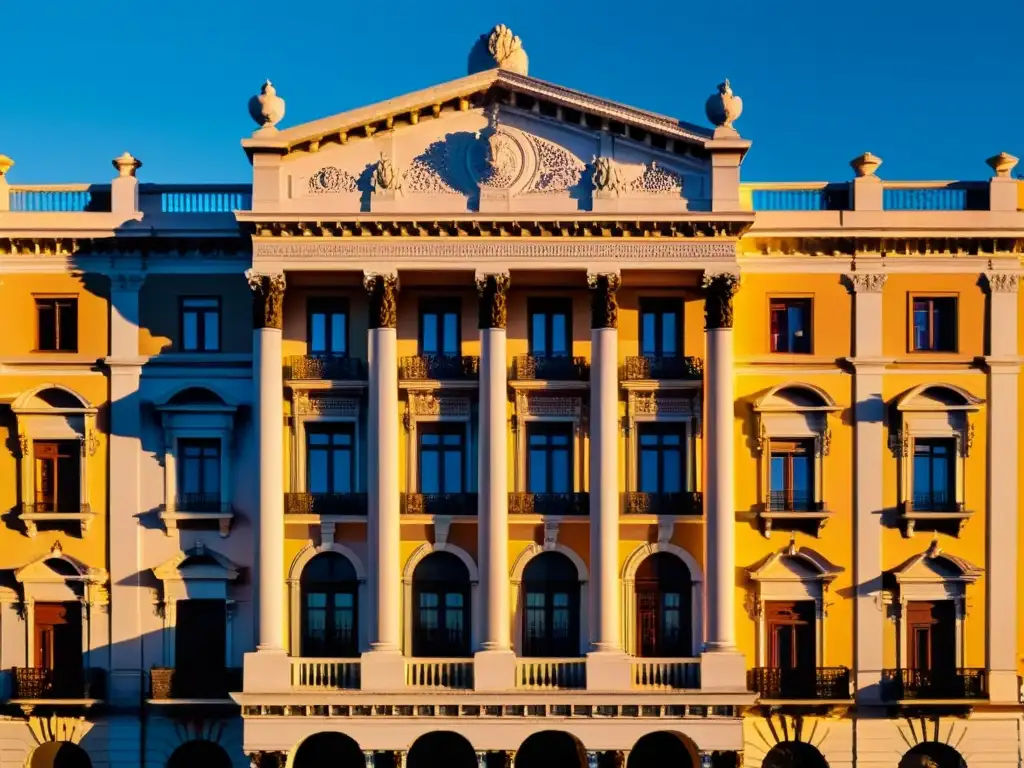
[
  {"x": 59, "y": 754},
  {"x": 330, "y": 607},
  {"x": 551, "y": 607},
  {"x": 663, "y": 607},
  {"x": 441, "y": 618},
  {"x": 192, "y": 754}
]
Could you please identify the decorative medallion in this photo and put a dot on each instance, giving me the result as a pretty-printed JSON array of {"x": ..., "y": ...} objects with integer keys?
[{"x": 330, "y": 180}]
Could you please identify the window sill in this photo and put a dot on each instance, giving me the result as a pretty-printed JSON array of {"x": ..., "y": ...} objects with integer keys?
[
  {"x": 31, "y": 520},
  {"x": 171, "y": 518},
  {"x": 948, "y": 522},
  {"x": 813, "y": 521}
]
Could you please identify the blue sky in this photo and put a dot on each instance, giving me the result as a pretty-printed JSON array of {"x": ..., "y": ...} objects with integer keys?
[{"x": 932, "y": 87}]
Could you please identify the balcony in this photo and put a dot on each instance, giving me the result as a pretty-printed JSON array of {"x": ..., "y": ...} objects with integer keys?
[
  {"x": 439, "y": 674},
  {"x": 551, "y": 674},
  {"x": 449, "y": 504},
  {"x": 821, "y": 684},
  {"x": 641, "y": 367},
  {"x": 343, "y": 504},
  {"x": 198, "y": 508},
  {"x": 936, "y": 511},
  {"x": 536, "y": 368},
  {"x": 40, "y": 684},
  {"x": 644, "y": 503},
  {"x": 568, "y": 504},
  {"x": 793, "y": 510},
  {"x": 967, "y": 684},
  {"x": 440, "y": 368},
  {"x": 325, "y": 674},
  {"x": 78, "y": 515},
  {"x": 665, "y": 674},
  {"x": 324, "y": 367},
  {"x": 169, "y": 685}
]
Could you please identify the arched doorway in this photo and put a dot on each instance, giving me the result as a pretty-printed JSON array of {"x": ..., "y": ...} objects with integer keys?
[
  {"x": 794, "y": 754},
  {"x": 551, "y": 607},
  {"x": 441, "y": 749},
  {"x": 659, "y": 749},
  {"x": 663, "y": 607},
  {"x": 329, "y": 750},
  {"x": 932, "y": 754},
  {"x": 441, "y": 612},
  {"x": 59, "y": 754},
  {"x": 192, "y": 754},
  {"x": 330, "y": 607},
  {"x": 551, "y": 749}
]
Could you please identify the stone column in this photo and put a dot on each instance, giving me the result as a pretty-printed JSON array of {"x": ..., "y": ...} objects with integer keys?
[
  {"x": 126, "y": 591},
  {"x": 607, "y": 666},
  {"x": 1003, "y": 363},
  {"x": 494, "y": 667},
  {"x": 268, "y": 313},
  {"x": 869, "y": 455},
  {"x": 722, "y": 665},
  {"x": 383, "y": 667}
]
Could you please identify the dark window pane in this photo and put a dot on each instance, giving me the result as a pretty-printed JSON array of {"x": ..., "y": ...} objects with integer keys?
[{"x": 317, "y": 333}]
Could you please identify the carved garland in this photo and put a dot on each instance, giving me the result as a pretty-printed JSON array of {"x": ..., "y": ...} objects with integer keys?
[{"x": 641, "y": 403}]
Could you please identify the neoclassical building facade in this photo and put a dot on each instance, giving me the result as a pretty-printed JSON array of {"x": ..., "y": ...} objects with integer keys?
[{"x": 502, "y": 425}]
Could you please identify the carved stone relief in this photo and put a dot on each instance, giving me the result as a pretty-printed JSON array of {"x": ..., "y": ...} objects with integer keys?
[
  {"x": 719, "y": 290},
  {"x": 604, "y": 307},
  {"x": 657, "y": 180},
  {"x": 306, "y": 405},
  {"x": 529, "y": 404},
  {"x": 558, "y": 170},
  {"x": 429, "y": 404},
  {"x": 383, "y": 290},
  {"x": 331, "y": 180},
  {"x": 267, "y": 299},
  {"x": 493, "y": 293}
]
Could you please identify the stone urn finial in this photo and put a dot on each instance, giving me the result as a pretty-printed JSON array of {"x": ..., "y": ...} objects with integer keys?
[
  {"x": 5, "y": 165},
  {"x": 723, "y": 108},
  {"x": 1002, "y": 164},
  {"x": 126, "y": 165},
  {"x": 267, "y": 108},
  {"x": 507, "y": 50},
  {"x": 865, "y": 164}
]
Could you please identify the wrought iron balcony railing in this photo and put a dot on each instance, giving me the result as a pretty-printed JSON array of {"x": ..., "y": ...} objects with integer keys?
[
  {"x": 936, "y": 501},
  {"x": 821, "y": 683},
  {"x": 442, "y": 367},
  {"x": 325, "y": 503},
  {"x": 199, "y": 502},
  {"x": 663, "y": 367},
  {"x": 49, "y": 508},
  {"x": 793, "y": 501},
  {"x": 549, "y": 503},
  {"x": 185, "y": 684},
  {"x": 327, "y": 367},
  {"x": 562, "y": 368},
  {"x": 948, "y": 684},
  {"x": 35, "y": 683},
  {"x": 439, "y": 503},
  {"x": 644, "y": 503}
]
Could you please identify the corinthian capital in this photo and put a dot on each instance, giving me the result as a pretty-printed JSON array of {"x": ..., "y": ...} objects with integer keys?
[
  {"x": 383, "y": 290},
  {"x": 866, "y": 282},
  {"x": 604, "y": 306},
  {"x": 493, "y": 292},
  {"x": 267, "y": 299},
  {"x": 719, "y": 288},
  {"x": 1002, "y": 282}
]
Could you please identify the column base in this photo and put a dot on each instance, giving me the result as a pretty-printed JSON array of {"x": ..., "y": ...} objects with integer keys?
[
  {"x": 724, "y": 670},
  {"x": 267, "y": 671},
  {"x": 1003, "y": 687},
  {"x": 607, "y": 671},
  {"x": 494, "y": 670},
  {"x": 382, "y": 671}
]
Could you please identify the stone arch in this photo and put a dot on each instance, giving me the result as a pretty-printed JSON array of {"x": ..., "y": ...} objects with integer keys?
[
  {"x": 659, "y": 748},
  {"x": 794, "y": 754},
  {"x": 532, "y": 550},
  {"x": 59, "y": 754},
  {"x": 421, "y": 552},
  {"x": 298, "y": 564},
  {"x": 200, "y": 752},
  {"x": 641, "y": 553},
  {"x": 311, "y": 550},
  {"x": 51, "y": 397},
  {"x": 796, "y": 395},
  {"x": 327, "y": 749},
  {"x": 441, "y": 749},
  {"x": 551, "y": 749},
  {"x": 195, "y": 392},
  {"x": 937, "y": 396}
]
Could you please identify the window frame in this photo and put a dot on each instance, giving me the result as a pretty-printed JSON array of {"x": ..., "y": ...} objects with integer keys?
[
  {"x": 61, "y": 449},
  {"x": 440, "y": 306},
  {"x": 790, "y": 447},
  {"x": 661, "y": 429},
  {"x": 330, "y": 589},
  {"x": 786, "y": 300},
  {"x": 547, "y": 646},
  {"x": 313, "y": 428},
  {"x": 550, "y": 427},
  {"x": 201, "y": 329},
  {"x": 659, "y": 306},
  {"x": 56, "y": 299},
  {"x": 549, "y": 306},
  {"x": 952, "y": 481},
  {"x": 203, "y": 443},
  {"x": 442, "y": 428},
  {"x": 328, "y": 306},
  {"x": 912, "y": 299}
]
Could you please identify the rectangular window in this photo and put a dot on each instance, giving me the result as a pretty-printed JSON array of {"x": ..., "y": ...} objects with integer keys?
[
  {"x": 790, "y": 321},
  {"x": 935, "y": 474},
  {"x": 442, "y": 458},
  {"x": 550, "y": 330},
  {"x": 934, "y": 322},
  {"x": 327, "y": 326},
  {"x": 549, "y": 464},
  {"x": 200, "y": 324},
  {"x": 439, "y": 327},
  {"x": 931, "y": 636},
  {"x": 57, "y": 325},
  {"x": 330, "y": 459},
  {"x": 792, "y": 476},
  {"x": 58, "y": 644},
  {"x": 662, "y": 467},
  {"x": 199, "y": 474},
  {"x": 661, "y": 327},
  {"x": 58, "y": 475},
  {"x": 791, "y": 635}
]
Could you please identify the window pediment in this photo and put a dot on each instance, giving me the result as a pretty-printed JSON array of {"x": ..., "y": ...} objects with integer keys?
[
  {"x": 57, "y": 567},
  {"x": 796, "y": 397},
  {"x": 792, "y": 564},
  {"x": 937, "y": 397},
  {"x": 935, "y": 566},
  {"x": 197, "y": 563}
]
